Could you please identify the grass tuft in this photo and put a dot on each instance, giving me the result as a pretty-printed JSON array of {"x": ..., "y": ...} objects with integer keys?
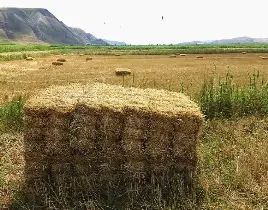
[{"x": 11, "y": 114}]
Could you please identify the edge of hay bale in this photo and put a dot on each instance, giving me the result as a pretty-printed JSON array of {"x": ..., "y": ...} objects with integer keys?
[
  {"x": 29, "y": 58},
  {"x": 148, "y": 128},
  {"x": 122, "y": 71},
  {"x": 93, "y": 95},
  {"x": 57, "y": 63},
  {"x": 61, "y": 60}
]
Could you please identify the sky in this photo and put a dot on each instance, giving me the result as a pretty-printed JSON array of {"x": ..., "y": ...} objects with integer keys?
[{"x": 140, "y": 21}]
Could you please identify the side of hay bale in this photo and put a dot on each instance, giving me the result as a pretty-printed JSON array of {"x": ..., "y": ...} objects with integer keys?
[
  {"x": 88, "y": 59},
  {"x": 57, "y": 63},
  {"x": 264, "y": 57},
  {"x": 29, "y": 58},
  {"x": 97, "y": 141},
  {"x": 172, "y": 56},
  {"x": 122, "y": 71},
  {"x": 199, "y": 56},
  {"x": 61, "y": 60},
  {"x": 182, "y": 54}
]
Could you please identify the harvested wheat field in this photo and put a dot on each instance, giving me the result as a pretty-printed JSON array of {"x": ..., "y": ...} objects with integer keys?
[
  {"x": 232, "y": 154},
  {"x": 24, "y": 77}
]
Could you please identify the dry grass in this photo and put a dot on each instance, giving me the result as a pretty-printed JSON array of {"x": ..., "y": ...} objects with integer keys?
[
  {"x": 11, "y": 165},
  {"x": 233, "y": 162},
  {"x": 22, "y": 77}
]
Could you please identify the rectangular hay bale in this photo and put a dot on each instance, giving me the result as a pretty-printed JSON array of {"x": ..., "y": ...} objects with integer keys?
[{"x": 99, "y": 133}]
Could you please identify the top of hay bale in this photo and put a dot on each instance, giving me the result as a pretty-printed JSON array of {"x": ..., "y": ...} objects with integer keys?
[{"x": 112, "y": 97}]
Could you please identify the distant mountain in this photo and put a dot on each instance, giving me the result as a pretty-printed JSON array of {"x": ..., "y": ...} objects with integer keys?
[
  {"x": 40, "y": 26},
  {"x": 241, "y": 40},
  {"x": 114, "y": 42}
]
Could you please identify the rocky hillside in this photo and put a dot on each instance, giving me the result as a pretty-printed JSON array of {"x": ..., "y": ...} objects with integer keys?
[{"x": 40, "y": 26}]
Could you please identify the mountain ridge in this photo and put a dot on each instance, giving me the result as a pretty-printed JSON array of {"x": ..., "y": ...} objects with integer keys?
[
  {"x": 236, "y": 40},
  {"x": 38, "y": 25}
]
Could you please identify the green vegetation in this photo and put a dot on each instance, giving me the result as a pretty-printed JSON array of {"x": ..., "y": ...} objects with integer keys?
[
  {"x": 140, "y": 50},
  {"x": 226, "y": 99},
  {"x": 11, "y": 114}
]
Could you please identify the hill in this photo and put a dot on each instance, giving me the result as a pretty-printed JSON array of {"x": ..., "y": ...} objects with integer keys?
[
  {"x": 115, "y": 42},
  {"x": 41, "y": 26},
  {"x": 237, "y": 40}
]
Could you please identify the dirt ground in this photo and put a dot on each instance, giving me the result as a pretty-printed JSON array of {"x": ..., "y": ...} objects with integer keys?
[{"x": 26, "y": 77}]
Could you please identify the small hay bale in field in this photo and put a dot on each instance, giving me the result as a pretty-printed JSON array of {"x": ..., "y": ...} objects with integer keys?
[
  {"x": 29, "y": 59},
  {"x": 172, "y": 56},
  {"x": 57, "y": 63},
  {"x": 88, "y": 59},
  {"x": 182, "y": 54},
  {"x": 263, "y": 57},
  {"x": 117, "y": 55},
  {"x": 199, "y": 56},
  {"x": 243, "y": 52},
  {"x": 122, "y": 71},
  {"x": 61, "y": 60},
  {"x": 81, "y": 54},
  {"x": 105, "y": 134}
]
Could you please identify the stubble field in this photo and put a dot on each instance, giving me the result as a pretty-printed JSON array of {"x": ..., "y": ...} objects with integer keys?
[
  {"x": 233, "y": 154},
  {"x": 25, "y": 77}
]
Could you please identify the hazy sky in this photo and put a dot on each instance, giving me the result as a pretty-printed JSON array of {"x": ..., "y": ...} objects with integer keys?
[{"x": 140, "y": 21}]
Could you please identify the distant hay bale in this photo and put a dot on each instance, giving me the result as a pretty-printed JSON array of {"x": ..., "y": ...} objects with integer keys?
[
  {"x": 81, "y": 54},
  {"x": 101, "y": 140},
  {"x": 263, "y": 57},
  {"x": 117, "y": 55},
  {"x": 122, "y": 71},
  {"x": 88, "y": 59},
  {"x": 243, "y": 52},
  {"x": 199, "y": 56},
  {"x": 172, "y": 56},
  {"x": 61, "y": 60},
  {"x": 57, "y": 63},
  {"x": 29, "y": 59},
  {"x": 182, "y": 54}
]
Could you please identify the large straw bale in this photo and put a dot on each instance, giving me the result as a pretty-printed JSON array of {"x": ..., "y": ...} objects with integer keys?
[
  {"x": 36, "y": 171},
  {"x": 61, "y": 59},
  {"x": 57, "y": 63},
  {"x": 107, "y": 140},
  {"x": 122, "y": 71},
  {"x": 29, "y": 59}
]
